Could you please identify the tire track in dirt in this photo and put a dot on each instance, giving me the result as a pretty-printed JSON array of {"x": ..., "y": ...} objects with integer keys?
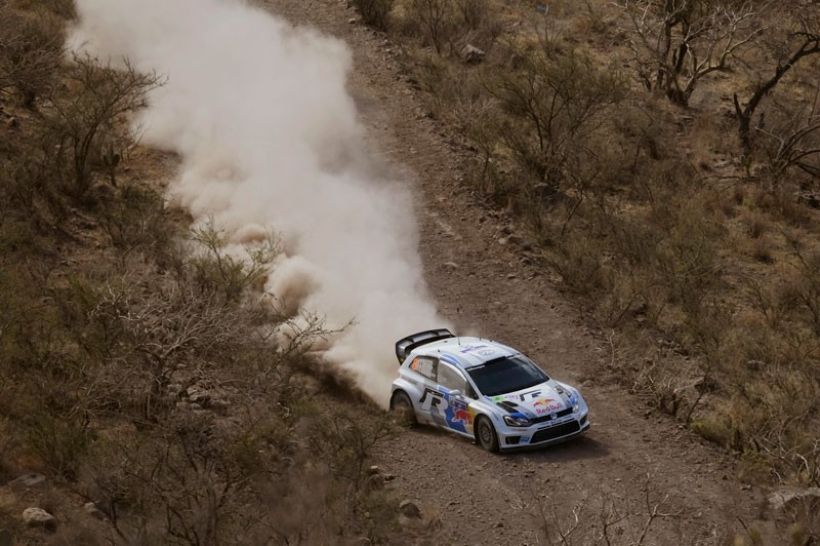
[{"x": 484, "y": 287}]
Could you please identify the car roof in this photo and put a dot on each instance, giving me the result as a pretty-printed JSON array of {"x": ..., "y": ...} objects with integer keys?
[{"x": 465, "y": 352}]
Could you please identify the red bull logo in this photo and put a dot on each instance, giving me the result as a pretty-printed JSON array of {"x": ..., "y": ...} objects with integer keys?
[
  {"x": 545, "y": 405},
  {"x": 463, "y": 416}
]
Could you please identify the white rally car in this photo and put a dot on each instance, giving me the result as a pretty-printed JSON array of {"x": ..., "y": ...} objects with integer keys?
[{"x": 485, "y": 391}]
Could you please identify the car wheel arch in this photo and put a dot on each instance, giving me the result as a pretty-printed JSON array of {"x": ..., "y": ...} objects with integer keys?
[
  {"x": 476, "y": 422},
  {"x": 399, "y": 392}
]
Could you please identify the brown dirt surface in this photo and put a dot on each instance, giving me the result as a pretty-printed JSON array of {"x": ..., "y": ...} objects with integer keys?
[{"x": 487, "y": 287}]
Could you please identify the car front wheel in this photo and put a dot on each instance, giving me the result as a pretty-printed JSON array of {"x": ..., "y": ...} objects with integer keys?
[
  {"x": 402, "y": 407},
  {"x": 485, "y": 434}
]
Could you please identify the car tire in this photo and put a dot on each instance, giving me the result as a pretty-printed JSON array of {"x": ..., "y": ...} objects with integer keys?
[
  {"x": 402, "y": 408},
  {"x": 485, "y": 434}
]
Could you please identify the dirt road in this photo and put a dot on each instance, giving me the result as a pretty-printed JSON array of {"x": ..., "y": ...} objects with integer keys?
[{"x": 484, "y": 287}]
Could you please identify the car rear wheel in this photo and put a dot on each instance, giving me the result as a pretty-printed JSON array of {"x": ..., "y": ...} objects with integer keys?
[
  {"x": 485, "y": 434},
  {"x": 402, "y": 407}
]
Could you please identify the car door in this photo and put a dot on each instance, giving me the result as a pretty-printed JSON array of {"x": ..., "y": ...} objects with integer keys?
[
  {"x": 424, "y": 370},
  {"x": 454, "y": 410}
]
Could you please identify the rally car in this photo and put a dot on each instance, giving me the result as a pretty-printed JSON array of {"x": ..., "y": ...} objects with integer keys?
[{"x": 484, "y": 391}]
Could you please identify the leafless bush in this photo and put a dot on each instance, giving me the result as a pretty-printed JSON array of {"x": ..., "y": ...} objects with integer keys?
[
  {"x": 677, "y": 43},
  {"x": 803, "y": 289},
  {"x": 375, "y": 13},
  {"x": 61, "y": 442},
  {"x": 474, "y": 13},
  {"x": 661, "y": 389},
  {"x": 231, "y": 275},
  {"x": 345, "y": 442},
  {"x": 793, "y": 140},
  {"x": 171, "y": 326},
  {"x": 436, "y": 20},
  {"x": 135, "y": 219},
  {"x": 608, "y": 520},
  {"x": 89, "y": 125},
  {"x": 62, "y": 8},
  {"x": 197, "y": 480},
  {"x": 561, "y": 102},
  {"x": 31, "y": 49},
  {"x": 800, "y": 40}
]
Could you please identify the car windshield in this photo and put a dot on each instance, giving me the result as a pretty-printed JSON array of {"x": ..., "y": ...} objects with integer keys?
[{"x": 508, "y": 374}]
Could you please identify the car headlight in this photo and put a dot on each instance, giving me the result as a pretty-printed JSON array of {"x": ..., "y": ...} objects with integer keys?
[
  {"x": 576, "y": 407},
  {"x": 516, "y": 421}
]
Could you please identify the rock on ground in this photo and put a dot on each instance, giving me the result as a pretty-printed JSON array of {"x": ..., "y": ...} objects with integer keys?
[{"x": 37, "y": 517}]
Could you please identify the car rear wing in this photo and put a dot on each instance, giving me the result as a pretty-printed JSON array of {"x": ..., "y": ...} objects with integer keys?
[{"x": 406, "y": 344}]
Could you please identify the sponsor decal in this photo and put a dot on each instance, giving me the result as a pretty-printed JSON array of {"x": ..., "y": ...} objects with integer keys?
[
  {"x": 449, "y": 359},
  {"x": 447, "y": 412},
  {"x": 470, "y": 348},
  {"x": 545, "y": 406}
]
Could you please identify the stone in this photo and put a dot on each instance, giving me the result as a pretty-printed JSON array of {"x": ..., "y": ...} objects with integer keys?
[
  {"x": 37, "y": 517},
  {"x": 409, "y": 509},
  {"x": 31, "y": 479},
  {"x": 472, "y": 55},
  {"x": 92, "y": 510},
  {"x": 373, "y": 470}
]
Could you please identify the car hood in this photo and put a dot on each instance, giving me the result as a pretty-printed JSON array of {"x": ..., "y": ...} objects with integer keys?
[{"x": 538, "y": 401}]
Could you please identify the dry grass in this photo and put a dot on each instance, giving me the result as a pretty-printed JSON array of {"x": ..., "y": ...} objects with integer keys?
[{"x": 665, "y": 227}]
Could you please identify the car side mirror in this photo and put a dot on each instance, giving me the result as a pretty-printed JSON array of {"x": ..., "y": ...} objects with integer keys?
[{"x": 455, "y": 394}]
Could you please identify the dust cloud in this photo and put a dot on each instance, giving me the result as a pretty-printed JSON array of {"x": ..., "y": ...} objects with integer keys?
[{"x": 269, "y": 138}]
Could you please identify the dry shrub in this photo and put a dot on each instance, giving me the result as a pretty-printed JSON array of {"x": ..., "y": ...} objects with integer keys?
[
  {"x": 60, "y": 442},
  {"x": 135, "y": 219},
  {"x": 756, "y": 223},
  {"x": 31, "y": 49},
  {"x": 610, "y": 520},
  {"x": 242, "y": 481},
  {"x": 663, "y": 385},
  {"x": 88, "y": 126},
  {"x": 62, "y": 8},
  {"x": 6, "y": 449},
  {"x": 220, "y": 271},
  {"x": 560, "y": 100},
  {"x": 678, "y": 43},
  {"x": 474, "y": 13},
  {"x": 579, "y": 262},
  {"x": 436, "y": 21},
  {"x": 375, "y": 13},
  {"x": 763, "y": 250}
]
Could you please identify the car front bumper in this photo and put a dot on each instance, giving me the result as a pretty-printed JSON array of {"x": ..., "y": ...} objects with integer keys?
[{"x": 543, "y": 434}]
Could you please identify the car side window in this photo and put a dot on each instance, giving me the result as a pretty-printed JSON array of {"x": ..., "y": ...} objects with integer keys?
[
  {"x": 451, "y": 378},
  {"x": 425, "y": 365}
]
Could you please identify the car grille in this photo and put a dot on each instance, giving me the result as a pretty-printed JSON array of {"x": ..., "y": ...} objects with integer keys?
[
  {"x": 555, "y": 432},
  {"x": 545, "y": 418}
]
